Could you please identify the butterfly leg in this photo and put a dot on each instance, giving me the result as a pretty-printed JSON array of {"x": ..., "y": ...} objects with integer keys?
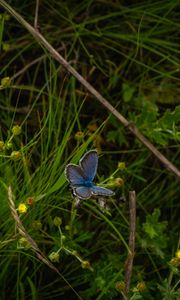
[{"x": 77, "y": 202}]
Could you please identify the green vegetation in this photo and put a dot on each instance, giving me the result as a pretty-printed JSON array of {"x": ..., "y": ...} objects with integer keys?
[{"x": 128, "y": 50}]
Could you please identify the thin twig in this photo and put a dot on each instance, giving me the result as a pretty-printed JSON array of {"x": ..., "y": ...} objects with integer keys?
[
  {"x": 43, "y": 42},
  {"x": 35, "y": 61},
  {"x": 25, "y": 68},
  {"x": 36, "y": 25},
  {"x": 132, "y": 233}
]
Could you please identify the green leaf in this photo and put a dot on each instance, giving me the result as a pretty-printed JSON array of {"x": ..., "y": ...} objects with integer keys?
[
  {"x": 128, "y": 92},
  {"x": 154, "y": 237},
  {"x": 149, "y": 229}
]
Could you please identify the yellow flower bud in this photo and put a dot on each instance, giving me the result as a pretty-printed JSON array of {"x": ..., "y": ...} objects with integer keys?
[
  {"x": 22, "y": 208},
  {"x": 7, "y": 17},
  {"x": 2, "y": 146},
  {"x": 63, "y": 237},
  {"x": 92, "y": 127},
  {"x": 15, "y": 155},
  {"x": 115, "y": 181},
  {"x": 57, "y": 221},
  {"x": 175, "y": 262},
  {"x": 54, "y": 257},
  {"x": 141, "y": 286},
  {"x": 30, "y": 200},
  {"x": 121, "y": 165},
  {"x": 67, "y": 227},
  {"x": 16, "y": 130},
  {"x": 79, "y": 135},
  {"x": 37, "y": 225},
  {"x": 6, "y": 46},
  {"x": 23, "y": 243},
  {"x": 85, "y": 264},
  {"x": 120, "y": 285},
  {"x": 6, "y": 81},
  {"x": 9, "y": 145},
  {"x": 118, "y": 182}
]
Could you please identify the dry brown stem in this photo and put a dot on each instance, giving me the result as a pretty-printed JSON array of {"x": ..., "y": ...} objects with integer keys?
[{"x": 132, "y": 234}]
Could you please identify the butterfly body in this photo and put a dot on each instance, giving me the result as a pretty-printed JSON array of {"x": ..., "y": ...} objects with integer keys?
[
  {"x": 88, "y": 183},
  {"x": 81, "y": 177}
]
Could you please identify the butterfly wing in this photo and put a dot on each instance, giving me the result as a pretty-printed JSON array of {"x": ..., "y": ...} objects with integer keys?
[
  {"x": 89, "y": 163},
  {"x": 101, "y": 191},
  {"x": 82, "y": 192},
  {"x": 74, "y": 175}
]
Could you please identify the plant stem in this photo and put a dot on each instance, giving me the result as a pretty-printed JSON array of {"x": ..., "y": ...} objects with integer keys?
[
  {"x": 132, "y": 233},
  {"x": 36, "y": 25}
]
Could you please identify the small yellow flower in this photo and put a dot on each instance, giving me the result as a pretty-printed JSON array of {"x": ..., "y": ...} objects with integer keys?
[
  {"x": 22, "y": 208},
  {"x": 120, "y": 285},
  {"x": 16, "y": 130},
  {"x": 54, "y": 257},
  {"x": 6, "y": 81},
  {"x": 2, "y": 146},
  {"x": 15, "y": 155},
  {"x": 141, "y": 286},
  {"x": 79, "y": 135},
  {"x": 178, "y": 254}
]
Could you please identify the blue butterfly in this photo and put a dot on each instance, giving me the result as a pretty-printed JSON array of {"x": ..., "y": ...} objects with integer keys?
[{"x": 81, "y": 177}]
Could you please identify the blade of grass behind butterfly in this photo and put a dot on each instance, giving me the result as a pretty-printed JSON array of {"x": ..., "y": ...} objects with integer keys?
[
  {"x": 103, "y": 216},
  {"x": 54, "y": 170}
]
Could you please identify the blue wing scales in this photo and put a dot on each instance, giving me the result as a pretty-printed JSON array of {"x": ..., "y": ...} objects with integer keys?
[
  {"x": 82, "y": 192},
  {"x": 101, "y": 191},
  {"x": 89, "y": 164},
  {"x": 74, "y": 174}
]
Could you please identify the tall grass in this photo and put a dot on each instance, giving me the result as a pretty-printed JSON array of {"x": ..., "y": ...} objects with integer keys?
[{"x": 129, "y": 52}]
